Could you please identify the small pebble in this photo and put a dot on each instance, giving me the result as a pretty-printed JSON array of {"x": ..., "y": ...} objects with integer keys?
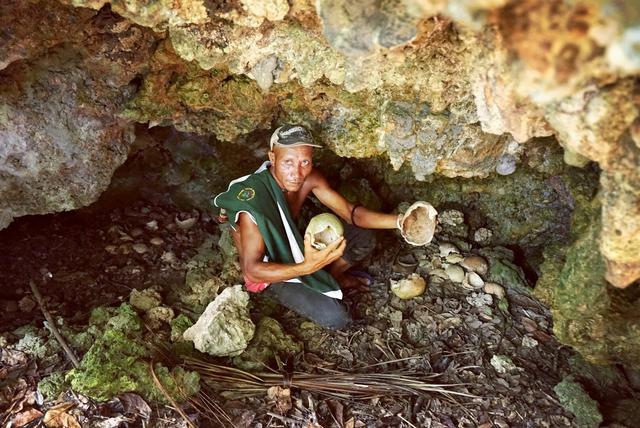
[
  {"x": 156, "y": 241},
  {"x": 140, "y": 248},
  {"x": 168, "y": 257}
]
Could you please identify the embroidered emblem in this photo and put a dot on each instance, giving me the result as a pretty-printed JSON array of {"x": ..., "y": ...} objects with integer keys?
[{"x": 246, "y": 194}]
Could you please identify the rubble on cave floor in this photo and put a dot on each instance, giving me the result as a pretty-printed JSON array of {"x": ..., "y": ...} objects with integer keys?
[{"x": 475, "y": 325}]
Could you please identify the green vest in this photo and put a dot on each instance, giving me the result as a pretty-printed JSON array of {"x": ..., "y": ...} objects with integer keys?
[{"x": 259, "y": 195}]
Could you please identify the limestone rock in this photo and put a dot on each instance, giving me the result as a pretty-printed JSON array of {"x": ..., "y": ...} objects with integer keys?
[
  {"x": 589, "y": 314},
  {"x": 358, "y": 28},
  {"x": 62, "y": 142},
  {"x": 224, "y": 329},
  {"x": 502, "y": 364}
]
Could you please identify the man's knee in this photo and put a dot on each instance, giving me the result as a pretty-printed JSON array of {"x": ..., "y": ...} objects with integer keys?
[{"x": 336, "y": 319}]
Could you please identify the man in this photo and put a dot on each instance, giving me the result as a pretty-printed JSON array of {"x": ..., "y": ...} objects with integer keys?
[{"x": 262, "y": 208}]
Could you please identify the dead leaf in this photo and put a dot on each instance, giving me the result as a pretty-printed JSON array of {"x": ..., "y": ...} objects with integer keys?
[
  {"x": 337, "y": 410},
  {"x": 135, "y": 405},
  {"x": 25, "y": 417},
  {"x": 351, "y": 423},
  {"x": 282, "y": 398},
  {"x": 57, "y": 417}
]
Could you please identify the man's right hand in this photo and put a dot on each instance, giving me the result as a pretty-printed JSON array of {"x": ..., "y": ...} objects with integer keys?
[{"x": 317, "y": 259}]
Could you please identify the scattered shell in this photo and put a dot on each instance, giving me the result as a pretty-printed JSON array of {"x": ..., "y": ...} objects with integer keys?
[
  {"x": 124, "y": 236},
  {"x": 188, "y": 222},
  {"x": 447, "y": 248},
  {"x": 495, "y": 289},
  {"x": 475, "y": 264},
  {"x": 135, "y": 232},
  {"x": 140, "y": 248},
  {"x": 152, "y": 225},
  {"x": 156, "y": 241},
  {"x": 454, "y": 258},
  {"x": 111, "y": 249},
  {"x": 474, "y": 280},
  {"x": 168, "y": 257},
  {"x": 455, "y": 273},
  {"x": 407, "y": 288}
]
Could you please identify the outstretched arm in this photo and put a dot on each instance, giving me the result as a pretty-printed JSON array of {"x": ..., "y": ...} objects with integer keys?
[
  {"x": 362, "y": 217},
  {"x": 252, "y": 251}
]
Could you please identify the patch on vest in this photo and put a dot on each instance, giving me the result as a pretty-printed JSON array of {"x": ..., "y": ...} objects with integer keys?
[{"x": 246, "y": 194}]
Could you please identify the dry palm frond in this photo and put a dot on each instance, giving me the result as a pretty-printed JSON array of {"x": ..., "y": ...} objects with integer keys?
[{"x": 330, "y": 383}]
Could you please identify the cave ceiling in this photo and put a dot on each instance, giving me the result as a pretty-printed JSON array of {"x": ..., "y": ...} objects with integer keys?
[{"x": 449, "y": 88}]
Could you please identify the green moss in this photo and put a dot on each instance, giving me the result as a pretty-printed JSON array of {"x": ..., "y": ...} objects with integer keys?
[
  {"x": 573, "y": 398},
  {"x": 598, "y": 320},
  {"x": 178, "y": 325},
  {"x": 269, "y": 341},
  {"x": 507, "y": 274},
  {"x": 51, "y": 386},
  {"x": 118, "y": 362}
]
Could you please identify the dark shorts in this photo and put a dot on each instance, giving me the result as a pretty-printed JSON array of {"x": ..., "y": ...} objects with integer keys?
[{"x": 325, "y": 311}]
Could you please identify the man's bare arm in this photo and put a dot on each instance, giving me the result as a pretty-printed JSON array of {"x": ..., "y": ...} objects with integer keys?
[
  {"x": 362, "y": 217},
  {"x": 252, "y": 250}
]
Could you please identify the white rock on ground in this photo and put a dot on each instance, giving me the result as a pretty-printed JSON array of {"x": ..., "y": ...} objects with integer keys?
[{"x": 224, "y": 329}]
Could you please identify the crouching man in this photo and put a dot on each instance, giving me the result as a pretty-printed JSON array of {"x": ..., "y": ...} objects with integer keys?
[{"x": 262, "y": 208}]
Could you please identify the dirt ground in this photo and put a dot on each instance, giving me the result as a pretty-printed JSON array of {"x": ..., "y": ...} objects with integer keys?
[{"x": 504, "y": 354}]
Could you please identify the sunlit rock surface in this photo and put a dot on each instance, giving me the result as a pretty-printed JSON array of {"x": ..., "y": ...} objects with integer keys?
[{"x": 454, "y": 89}]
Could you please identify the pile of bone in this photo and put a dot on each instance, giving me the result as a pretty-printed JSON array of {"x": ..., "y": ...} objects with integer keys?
[{"x": 449, "y": 263}]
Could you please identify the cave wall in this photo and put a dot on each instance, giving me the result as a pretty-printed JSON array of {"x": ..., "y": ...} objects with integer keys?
[{"x": 455, "y": 95}]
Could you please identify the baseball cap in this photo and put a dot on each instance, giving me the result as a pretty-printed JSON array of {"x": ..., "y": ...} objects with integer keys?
[{"x": 292, "y": 136}]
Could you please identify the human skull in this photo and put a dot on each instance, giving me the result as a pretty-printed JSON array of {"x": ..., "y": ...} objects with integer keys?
[
  {"x": 419, "y": 223},
  {"x": 324, "y": 229},
  {"x": 410, "y": 287}
]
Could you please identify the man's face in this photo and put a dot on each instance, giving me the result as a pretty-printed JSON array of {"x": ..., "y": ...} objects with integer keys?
[{"x": 291, "y": 166}]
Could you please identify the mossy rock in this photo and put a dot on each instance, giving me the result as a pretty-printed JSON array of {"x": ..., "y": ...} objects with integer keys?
[
  {"x": 52, "y": 386},
  {"x": 598, "y": 320},
  {"x": 178, "y": 326},
  {"x": 573, "y": 398},
  {"x": 268, "y": 341},
  {"x": 118, "y": 361}
]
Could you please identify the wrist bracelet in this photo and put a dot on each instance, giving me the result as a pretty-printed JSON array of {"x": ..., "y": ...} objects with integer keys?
[{"x": 353, "y": 211}]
